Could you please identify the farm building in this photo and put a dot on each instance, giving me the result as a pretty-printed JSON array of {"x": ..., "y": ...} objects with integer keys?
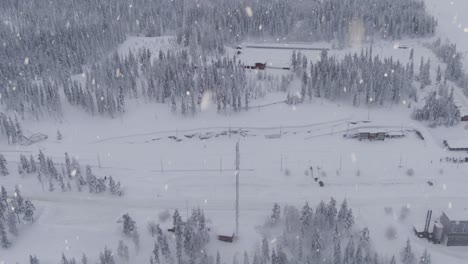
[
  {"x": 451, "y": 229},
  {"x": 257, "y": 66},
  {"x": 455, "y": 228},
  {"x": 372, "y": 134},
  {"x": 456, "y": 145}
]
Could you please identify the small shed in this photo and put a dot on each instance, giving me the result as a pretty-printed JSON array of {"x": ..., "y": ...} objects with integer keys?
[
  {"x": 260, "y": 66},
  {"x": 457, "y": 145}
]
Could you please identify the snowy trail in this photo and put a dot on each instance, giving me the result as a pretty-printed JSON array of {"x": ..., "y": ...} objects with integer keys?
[{"x": 222, "y": 128}]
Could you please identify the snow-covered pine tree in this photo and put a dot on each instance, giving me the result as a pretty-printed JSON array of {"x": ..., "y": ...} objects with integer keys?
[
  {"x": 122, "y": 251},
  {"x": 218, "y": 258},
  {"x": 33, "y": 259},
  {"x": 51, "y": 185},
  {"x": 265, "y": 250},
  {"x": 64, "y": 259},
  {"x": 4, "y": 242},
  {"x": 59, "y": 136},
  {"x": 156, "y": 253},
  {"x": 106, "y": 257},
  {"x": 24, "y": 164},
  {"x": 349, "y": 220},
  {"x": 129, "y": 225},
  {"x": 425, "y": 258},
  {"x": 307, "y": 215},
  {"x": 11, "y": 222},
  {"x": 3, "y": 164},
  {"x": 84, "y": 259},
  {"x": 29, "y": 211},
  {"x": 32, "y": 164},
  {"x": 348, "y": 256},
  {"x": 331, "y": 212},
  {"x": 407, "y": 255},
  {"x": 246, "y": 258},
  {"x": 337, "y": 253},
  {"x": 358, "y": 257},
  {"x": 276, "y": 213}
]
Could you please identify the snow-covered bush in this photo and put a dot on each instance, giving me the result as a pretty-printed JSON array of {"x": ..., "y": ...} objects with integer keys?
[{"x": 390, "y": 233}]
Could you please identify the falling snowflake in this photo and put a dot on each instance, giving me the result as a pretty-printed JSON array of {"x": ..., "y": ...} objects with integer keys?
[
  {"x": 26, "y": 61},
  {"x": 248, "y": 11}
]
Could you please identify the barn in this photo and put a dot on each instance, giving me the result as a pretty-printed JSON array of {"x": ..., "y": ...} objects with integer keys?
[
  {"x": 456, "y": 145},
  {"x": 455, "y": 228}
]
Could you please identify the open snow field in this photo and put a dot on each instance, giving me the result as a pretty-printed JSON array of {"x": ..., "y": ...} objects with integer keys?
[
  {"x": 196, "y": 168},
  {"x": 201, "y": 172}
]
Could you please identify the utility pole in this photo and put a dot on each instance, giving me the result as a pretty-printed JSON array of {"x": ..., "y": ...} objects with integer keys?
[
  {"x": 99, "y": 160},
  {"x": 237, "y": 187}
]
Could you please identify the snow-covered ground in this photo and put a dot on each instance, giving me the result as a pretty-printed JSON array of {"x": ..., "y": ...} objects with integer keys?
[
  {"x": 453, "y": 22},
  {"x": 159, "y": 172},
  {"x": 132, "y": 149}
]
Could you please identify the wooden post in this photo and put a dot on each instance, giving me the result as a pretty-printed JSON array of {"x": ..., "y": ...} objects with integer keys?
[
  {"x": 237, "y": 187},
  {"x": 221, "y": 163},
  {"x": 162, "y": 168},
  {"x": 281, "y": 162}
]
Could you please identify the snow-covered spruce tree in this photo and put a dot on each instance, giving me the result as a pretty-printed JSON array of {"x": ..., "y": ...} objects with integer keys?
[
  {"x": 425, "y": 258},
  {"x": 32, "y": 164},
  {"x": 3, "y": 168},
  {"x": 306, "y": 215},
  {"x": 122, "y": 251},
  {"x": 337, "y": 253},
  {"x": 276, "y": 213},
  {"x": 33, "y": 259},
  {"x": 24, "y": 164},
  {"x": 407, "y": 255},
  {"x": 349, "y": 220},
  {"x": 84, "y": 259},
  {"x": 91, "y": 180},
  {"x": 265, "y": 250},
  {"x": 11, "y": 222},
  {"x": 29, "y": 211},
  {"x": 246, "y": 258},
  {"x": 106, "y": 257},
  {"x": 4, "y": 242},
  {"x": 155, "y": 256},
  {"x": 17, "y": 203},
  {"x": 438, "y": 110},
  {"x": 128, "y": 225}
]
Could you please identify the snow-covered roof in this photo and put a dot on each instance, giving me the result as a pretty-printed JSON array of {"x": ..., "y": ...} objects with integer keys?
[
  {"x": 371, "y": 130},
  {"x": 396, "y": 133},
  {"x": 457, "y": 144},
  {"x": 457, "y": 215}
]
